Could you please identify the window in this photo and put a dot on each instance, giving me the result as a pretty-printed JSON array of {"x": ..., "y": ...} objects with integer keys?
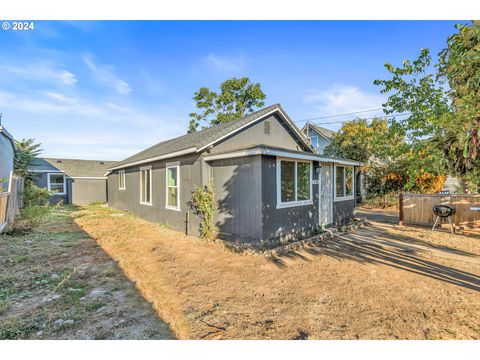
[
  {"x": 294, "y": 183},
  {"x": 146, "y": 185},
  {"x": 121, "y": 180},
  {"x": 314, "y": 141},
  {"x": 343, "y": 182},
  {"x": 56, "y": 184},
  {"x": 173, "y": 188}
]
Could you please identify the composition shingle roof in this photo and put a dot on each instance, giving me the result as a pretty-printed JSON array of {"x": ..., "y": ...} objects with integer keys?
[
  {"x": 204, "y": 137},
  {"x": 73, "y": 167}
]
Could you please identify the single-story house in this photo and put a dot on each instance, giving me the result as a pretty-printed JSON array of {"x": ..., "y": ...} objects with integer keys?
[
  {"x": 7, "y": 153},
  {"x": 72, "y": 181},
  {"x": 319, "y": 136},
  {"x": 270, "y": 184}
]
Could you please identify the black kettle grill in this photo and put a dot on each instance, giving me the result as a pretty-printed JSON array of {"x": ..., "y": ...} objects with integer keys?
[{"x": 444, "y": 212}]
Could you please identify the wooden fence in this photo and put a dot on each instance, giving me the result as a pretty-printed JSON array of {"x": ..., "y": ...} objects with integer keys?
[
  {"x": 416, "y": 209},
  {"x": 11, "y": 201}
]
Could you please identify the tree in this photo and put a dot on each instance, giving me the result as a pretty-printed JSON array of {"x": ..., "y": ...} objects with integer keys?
[
  {"x": 237, "y": 98},
  {"x": 359, "y": 140},
  {"x": 26, "y": 153}
]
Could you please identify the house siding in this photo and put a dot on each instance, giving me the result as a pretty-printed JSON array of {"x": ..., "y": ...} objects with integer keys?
[
  {"x": 280, "y": 136},
  {"x": 6, "y": 159},
  {"x": 343, "y": 211},
  {"x": 238, "y": 189},
  {"x": 41, "y": 180},
  {"x": 129, "y": 199},
  {"x": 322, "y": 141},
  {"x": 285, "y": 224},
  {"x": 84, "y": 191}
]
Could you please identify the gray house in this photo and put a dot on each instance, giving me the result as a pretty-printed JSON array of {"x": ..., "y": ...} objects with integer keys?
[
  {"x": 7, "y": 153},
  {"x": 319, "y": 136},
  {"x": 72, "y": 181},
  {"x": 270, "y": 184}
]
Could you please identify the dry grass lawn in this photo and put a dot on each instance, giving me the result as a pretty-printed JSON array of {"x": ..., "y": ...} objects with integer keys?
[{"x": 383, "y": 282}]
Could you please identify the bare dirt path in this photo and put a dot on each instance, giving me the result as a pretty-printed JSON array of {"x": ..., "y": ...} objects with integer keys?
[
  {"x": 385, "y": 282},
  {"x": 57, "y": 283}
]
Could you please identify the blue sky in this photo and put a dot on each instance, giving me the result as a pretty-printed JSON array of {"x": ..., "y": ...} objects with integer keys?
[{"x": 105, "y": 90}]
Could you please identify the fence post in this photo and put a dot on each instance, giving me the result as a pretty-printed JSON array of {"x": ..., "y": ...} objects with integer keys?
[{"x": 400, "y": 209}]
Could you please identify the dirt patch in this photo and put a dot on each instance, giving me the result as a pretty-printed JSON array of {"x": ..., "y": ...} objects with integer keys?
[
  {"x": 387, "y": 283},
  {"x": 57, "y": 283}
]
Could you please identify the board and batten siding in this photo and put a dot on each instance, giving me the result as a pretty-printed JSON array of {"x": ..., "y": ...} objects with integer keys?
[
  {"x": 286, "y": 224},
  {"x": 191, "y": 174},
  {"x": 238, "y": 190}
]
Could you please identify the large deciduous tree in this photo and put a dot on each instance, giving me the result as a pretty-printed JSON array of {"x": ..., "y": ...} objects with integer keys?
[{"x": 237, "y": 98}]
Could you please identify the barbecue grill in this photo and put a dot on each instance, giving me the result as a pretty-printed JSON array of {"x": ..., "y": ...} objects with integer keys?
[{"x": 444, "y": 212}]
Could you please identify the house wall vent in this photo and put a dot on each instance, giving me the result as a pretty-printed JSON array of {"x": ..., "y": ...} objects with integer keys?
[{"x": 266, "y": 127}]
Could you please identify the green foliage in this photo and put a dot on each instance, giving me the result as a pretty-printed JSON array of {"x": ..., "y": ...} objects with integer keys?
[
  {"x": 32, "y": 216},
  {"x": 34, "y": 195},
  {"x": 2, "y": 187},
  {"x": 359, "y": 140},
  {"x": 203, "y": 204},
  {"x": 25, "y": 154},
  {"x": 237, "y": 97}
]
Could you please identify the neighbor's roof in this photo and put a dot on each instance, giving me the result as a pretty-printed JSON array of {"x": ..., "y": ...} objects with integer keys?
[
  {"x": 72, "y": 167},
  {"x": 200, "y": 140},
  {"x": 329, "y": 134}
]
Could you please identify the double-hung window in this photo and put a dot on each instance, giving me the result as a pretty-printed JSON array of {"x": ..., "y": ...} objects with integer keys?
[
  {"x": 173, "y": 187},
  {"x": 146, "y": 185},
  {"x": 343, "y": 182},
  {"x": 57, "y": 184},
  {"x": 121, "y": 180},
  {"x": 294, "y": 182}
]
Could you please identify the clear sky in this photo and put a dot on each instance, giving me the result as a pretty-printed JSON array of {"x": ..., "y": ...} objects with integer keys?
[{"x": 105, "y": 90}]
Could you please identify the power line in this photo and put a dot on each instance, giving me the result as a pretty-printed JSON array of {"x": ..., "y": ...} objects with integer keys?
[
  {"x": 336, "y": 115},
  {"x": 372, "y": 118}
]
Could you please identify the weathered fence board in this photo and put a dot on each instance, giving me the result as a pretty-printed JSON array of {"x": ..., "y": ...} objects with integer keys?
[
  {"x": 11, "y": 201},
  {"x": 416, "y": 209}
]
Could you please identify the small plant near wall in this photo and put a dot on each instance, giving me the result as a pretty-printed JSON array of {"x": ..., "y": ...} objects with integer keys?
[{"x": 203, "y": 205}]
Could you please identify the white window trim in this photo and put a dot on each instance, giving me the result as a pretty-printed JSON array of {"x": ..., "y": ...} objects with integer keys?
[
  {"x": 280, "y": 204},
  {"x": 343, "y": 198},
  {"x": 178, "y": 187},
  {"x": 141, "y": 185},
  {"x": 64, "y": 183},
  {"x": 121, "y": 173}
]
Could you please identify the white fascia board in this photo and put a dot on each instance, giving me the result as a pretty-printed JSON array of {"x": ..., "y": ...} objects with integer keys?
[
  {"x": 156, "y": 158},
  {"x": 89, "y": 177},
  {"x": 47, "y": 171},
  {"x": 293, "y": 127},
  {"x": 286, "y": 154}
]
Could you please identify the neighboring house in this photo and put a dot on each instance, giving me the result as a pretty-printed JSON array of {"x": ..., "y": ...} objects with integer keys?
[
  {"x": 319, "y": 136},
  {"x": 7, "y": 153},
  {"x": 72, "y": 181},
  {"x": 270, "y": 185}
]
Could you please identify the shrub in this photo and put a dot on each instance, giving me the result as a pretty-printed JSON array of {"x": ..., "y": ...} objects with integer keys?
[
  {"x": 203, "y": 205},
  {"x": 32, "y": 216},
  {"x": 2, "y": 182},
  {"x": 35, "y": 196}
]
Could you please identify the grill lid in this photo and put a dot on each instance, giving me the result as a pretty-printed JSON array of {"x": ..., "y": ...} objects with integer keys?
[{"x": 444, "y": 210}]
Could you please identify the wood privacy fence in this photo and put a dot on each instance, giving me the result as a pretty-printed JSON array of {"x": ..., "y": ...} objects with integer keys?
[
  {"x": 11, "y": 201},
  {"x": 416, "y": 209}
]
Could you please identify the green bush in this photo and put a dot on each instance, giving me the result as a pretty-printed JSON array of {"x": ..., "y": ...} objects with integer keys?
[
  {"x": 35, "y": 196},
  {"x": 203, "y": 205},
  {"x": 32, "y": 216},
  {"x": 2, "y": 187}
]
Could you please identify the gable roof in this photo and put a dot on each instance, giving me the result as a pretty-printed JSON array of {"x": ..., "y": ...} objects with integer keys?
[
  {"x": 327, "y": 133},
  {"x": 201, "y": 140},
  {"x": 72, "y": 167}
]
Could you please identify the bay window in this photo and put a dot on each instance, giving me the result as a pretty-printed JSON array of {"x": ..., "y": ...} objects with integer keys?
[
  {"x": 294, "y": 182},
  {"x": 343, "y": 182}
]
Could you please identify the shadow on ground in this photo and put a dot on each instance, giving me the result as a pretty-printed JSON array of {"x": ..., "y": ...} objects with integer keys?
[{"x": 374, "y": 245}]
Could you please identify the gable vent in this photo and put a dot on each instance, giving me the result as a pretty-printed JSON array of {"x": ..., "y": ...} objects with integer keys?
[{"x": 266, "y": 127}]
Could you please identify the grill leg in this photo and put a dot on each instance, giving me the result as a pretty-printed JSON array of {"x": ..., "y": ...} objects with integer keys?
[
  {"x": 436, "y": 221},
  {"x": 452, "y": 228}
]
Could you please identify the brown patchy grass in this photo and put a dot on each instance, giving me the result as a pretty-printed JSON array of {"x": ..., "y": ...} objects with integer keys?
[
  {"x": 381, "y": 283},
  {"x": 57, "y": 283}
]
